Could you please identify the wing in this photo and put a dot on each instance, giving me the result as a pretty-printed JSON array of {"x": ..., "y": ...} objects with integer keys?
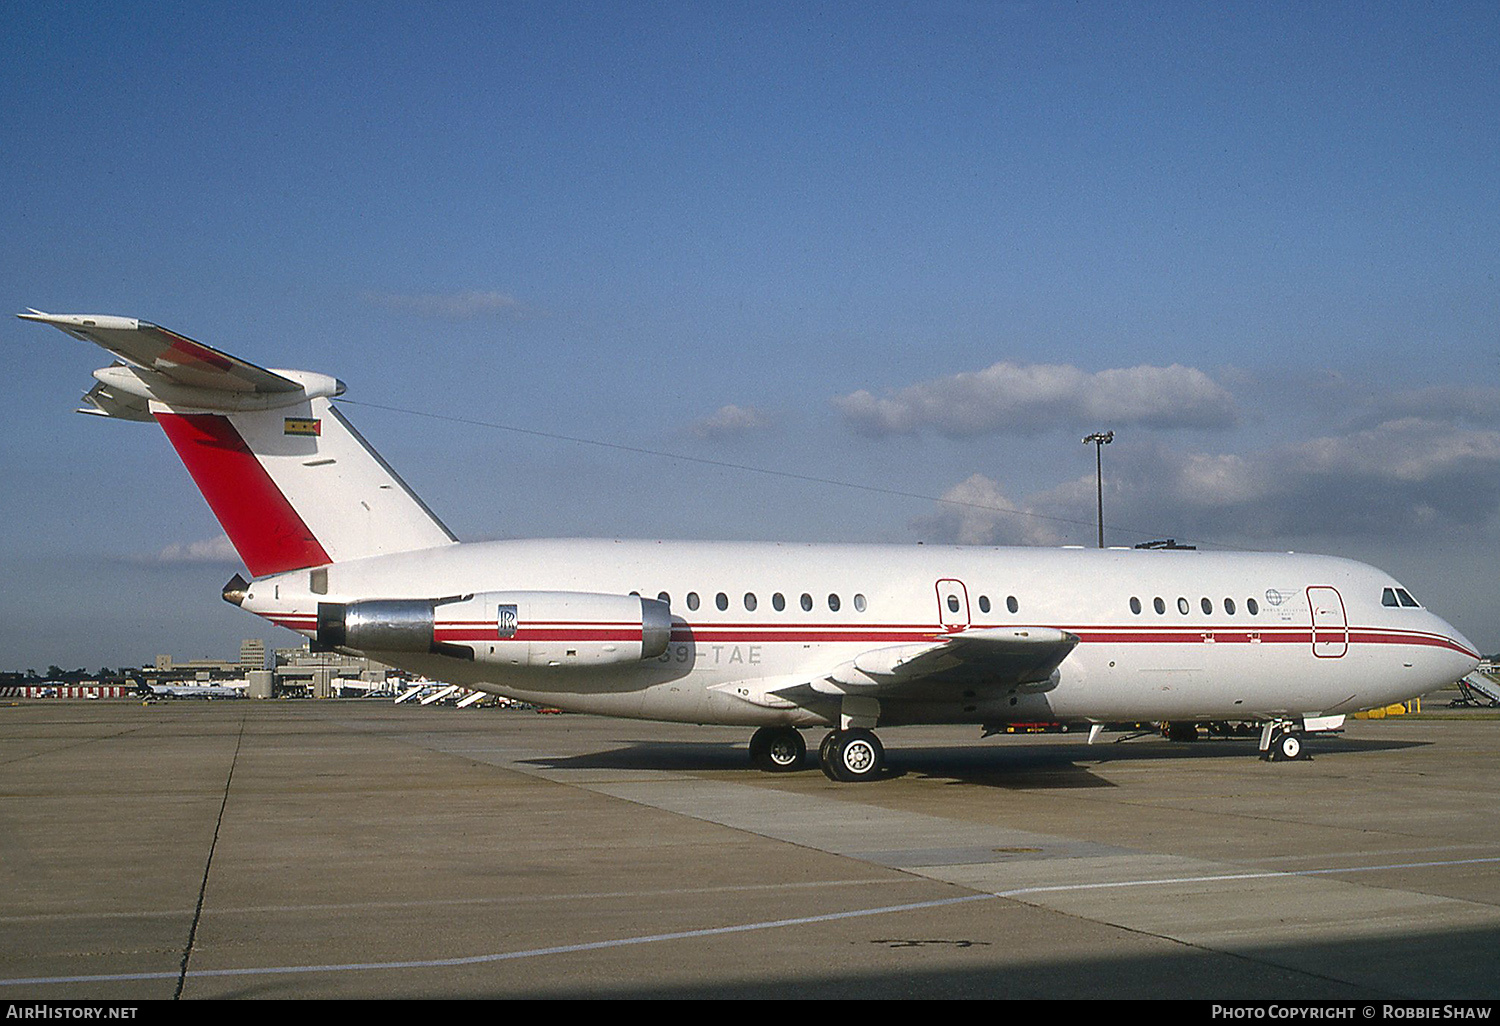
[
  {"x": 986, "y": 659},
  {"x": 992, "y": 657},
  {"x": 172, "y": 356}
]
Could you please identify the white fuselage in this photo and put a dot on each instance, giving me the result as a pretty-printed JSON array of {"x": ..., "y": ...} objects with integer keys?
[{"x": 1240, "y": 635}]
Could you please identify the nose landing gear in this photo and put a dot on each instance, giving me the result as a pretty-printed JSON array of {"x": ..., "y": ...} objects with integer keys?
[{"x": 1281, "y": 742}]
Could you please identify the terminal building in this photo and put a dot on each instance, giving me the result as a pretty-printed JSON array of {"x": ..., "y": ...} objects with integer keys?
[{"x": 291, "y": 672}]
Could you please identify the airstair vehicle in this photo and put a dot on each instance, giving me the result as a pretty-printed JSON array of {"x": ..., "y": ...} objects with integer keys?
[
  {"x": 439, "y": 695},
  {"x": 410, "y": 692},
  {"x": 1477, "y": 689}
]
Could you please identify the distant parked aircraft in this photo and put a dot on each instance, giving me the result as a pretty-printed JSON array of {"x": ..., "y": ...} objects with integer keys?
[{"x": 229, "y": 690}]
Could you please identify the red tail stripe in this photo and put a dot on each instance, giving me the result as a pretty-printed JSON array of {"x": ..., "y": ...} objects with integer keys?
[{"x": 264, "y": 529}]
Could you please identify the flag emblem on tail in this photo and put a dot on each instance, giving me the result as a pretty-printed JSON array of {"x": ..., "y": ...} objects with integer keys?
[{"x": 301, "y": 426}]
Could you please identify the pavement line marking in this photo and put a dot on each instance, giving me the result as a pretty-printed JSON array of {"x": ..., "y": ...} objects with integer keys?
[
  {"x": 1366, "y": 853},
  {"x": 192, "y": 937},
  {"x": 528, "y": 899},
  {"x": 510, "y": 955},
  {"x": 437, "y": 963},
  {"x": 1265, "y": 875}
]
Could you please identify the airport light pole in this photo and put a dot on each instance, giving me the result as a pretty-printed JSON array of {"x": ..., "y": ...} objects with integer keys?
[{"x": 1100, "y": 440}]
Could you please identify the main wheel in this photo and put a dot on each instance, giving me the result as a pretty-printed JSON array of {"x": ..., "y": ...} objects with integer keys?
[
  {"x": 853, "y": 756},
  {"x": 824, "y": 759},
  {"x": 777, "y": 749}
]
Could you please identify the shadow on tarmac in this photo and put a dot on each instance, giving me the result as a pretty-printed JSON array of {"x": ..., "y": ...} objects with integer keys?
[{"x": 1057, "y": 764}]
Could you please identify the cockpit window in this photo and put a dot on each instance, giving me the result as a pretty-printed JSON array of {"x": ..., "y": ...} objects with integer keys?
[
  {"x": 1398, "y": 597},
  {"x": 1405, "y": 597},
  {"x": 1388, "y": 597}
]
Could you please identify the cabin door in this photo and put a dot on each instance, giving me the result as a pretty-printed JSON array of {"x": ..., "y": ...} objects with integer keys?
[
  {"x": 1330, "y": 625},
  {"x": 953, "y": 604}
]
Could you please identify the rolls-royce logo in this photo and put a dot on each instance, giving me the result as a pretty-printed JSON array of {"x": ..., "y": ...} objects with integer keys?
[{"x": 507, "y": 621}]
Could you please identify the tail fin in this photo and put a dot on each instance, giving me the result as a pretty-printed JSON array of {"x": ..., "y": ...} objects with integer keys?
[{"x": 291, "y": 481}]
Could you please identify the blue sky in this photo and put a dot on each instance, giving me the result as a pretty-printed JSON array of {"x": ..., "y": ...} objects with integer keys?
[{"x": 920, "y": 246}]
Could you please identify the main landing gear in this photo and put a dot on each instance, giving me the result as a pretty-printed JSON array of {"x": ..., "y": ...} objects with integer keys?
[
  {"x": 848, "y": 756},
  {"x": 778, "y": 749},
  {"x": 851, "y": 756}
]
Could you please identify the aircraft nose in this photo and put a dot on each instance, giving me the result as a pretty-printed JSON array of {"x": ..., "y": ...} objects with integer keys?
[{"x": 1462, "y": 646}]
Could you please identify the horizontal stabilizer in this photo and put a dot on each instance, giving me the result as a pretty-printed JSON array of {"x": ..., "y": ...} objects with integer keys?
[
  {"x": 153, "y": 363},
  {"x": 104, "y": 401}
]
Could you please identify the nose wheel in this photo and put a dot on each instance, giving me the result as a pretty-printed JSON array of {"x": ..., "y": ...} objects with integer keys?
[
  {"x": 1281, "y": 744},
  {"x": 851, "y": 756},
  {"x": 1287, "y": 747}
]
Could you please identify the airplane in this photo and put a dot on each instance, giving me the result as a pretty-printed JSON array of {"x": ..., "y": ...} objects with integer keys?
[
  {"x": 779, "y": 636},
  {"x": 221, "y": 690}
]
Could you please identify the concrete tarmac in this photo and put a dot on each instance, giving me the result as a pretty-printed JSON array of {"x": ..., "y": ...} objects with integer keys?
[{"x": 356, "y": 849}]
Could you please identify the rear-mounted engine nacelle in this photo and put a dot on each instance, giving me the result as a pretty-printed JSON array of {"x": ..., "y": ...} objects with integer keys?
[
  {"x": 382, "y": 625},
  {"x": 517, "y": 628}
]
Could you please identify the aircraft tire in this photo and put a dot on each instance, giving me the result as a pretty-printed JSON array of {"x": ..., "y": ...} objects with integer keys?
[
  {"x": 854, "y": 756},
  {"x": 778, "y": 749},
  {"x": 1288, "y": 747},
  {"x": 825, "y": 760}
]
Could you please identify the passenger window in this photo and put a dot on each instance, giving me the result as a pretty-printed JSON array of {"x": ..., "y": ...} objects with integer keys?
[
  {"x": 1405, "y": 597},
  {"x": 952, "y": 603},
  {"x": 1158, "y": 605},
  {"x": 1229, "y": 606},
  {"x": 806, "y": 602},
  {"x": 722, "y": 601},
  {"x": 1012, "y": 604},
  {"x": 859, "y": 603},
  {"x": 833, "y": 603},
  {"x": 778, "y": 601},
  {"x": 1252, "y": 607},
  {"x": 692, "y": 600},
  {"x": 984, "y": 603},
  {"x": 1135, "y": 605},
  {"x": 1208, "y": 607},
  {"x": 662, "y": 596},
  {"x": 750, "y": 602}
]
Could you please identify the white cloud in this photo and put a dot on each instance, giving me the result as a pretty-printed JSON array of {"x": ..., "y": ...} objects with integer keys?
[
  {"x": 1390, "y": 480},
  {"x": 976, "y": 512},
  {"x": 1027, "y": 399},
  {"x": 1455, "y": 403},
  {"x": 208, "y": 550},
  {"x": 731, "y": 421},
  {"x": 453, "y": 306},
  {"x": 1400, "y": 479}
]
